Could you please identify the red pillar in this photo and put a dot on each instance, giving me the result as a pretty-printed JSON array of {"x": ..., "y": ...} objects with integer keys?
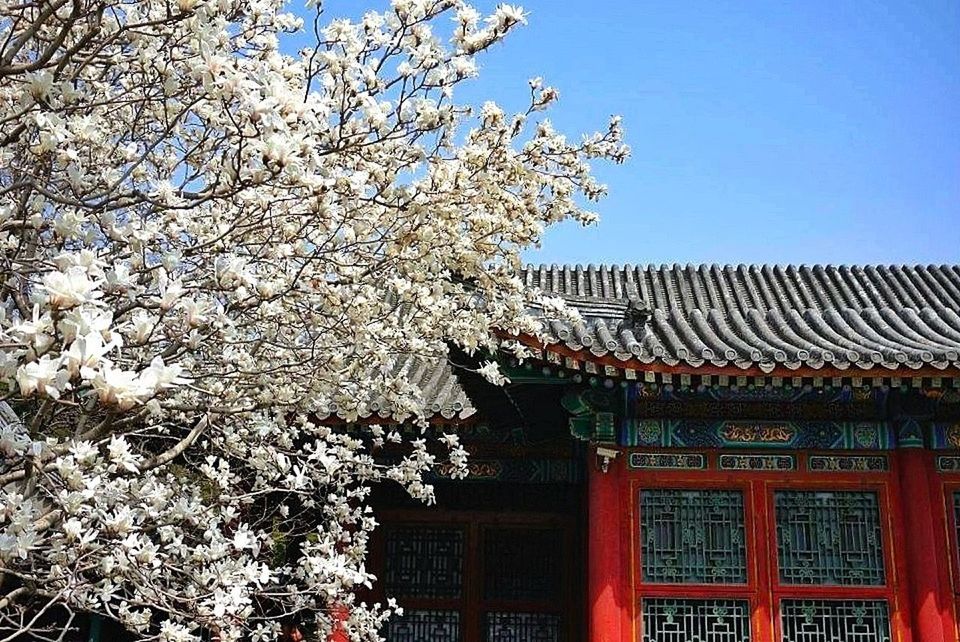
[
  {"x": 921, "y": 546},
  {"x": 605, "y": 557},
  {"x": 339, "y": 634}
]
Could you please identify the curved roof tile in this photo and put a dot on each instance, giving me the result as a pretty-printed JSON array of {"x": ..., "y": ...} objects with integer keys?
[
  {"x": 442, "y": 394},
  {"x": 761, "y": 315}
]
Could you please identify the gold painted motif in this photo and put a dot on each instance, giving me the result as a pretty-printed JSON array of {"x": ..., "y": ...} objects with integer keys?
[
  {"x": 758, "y": 433},
  {"x": 953, "y": 435}
]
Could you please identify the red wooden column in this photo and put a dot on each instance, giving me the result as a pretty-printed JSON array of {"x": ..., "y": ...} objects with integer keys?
[
  {"x": 921, "y": 547},
  {"x": 339, "y": 633},
  {"x": 605, "y": 558}
]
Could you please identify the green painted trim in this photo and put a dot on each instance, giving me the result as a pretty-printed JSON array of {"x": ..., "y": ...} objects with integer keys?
[
  {"x": 763, "y": 434},
  {"x": 605, "y": 427},
  {"x": 531, "y": 372},
  {"x": 581, "y": 427},
  {"x": 594, "y": 413}
]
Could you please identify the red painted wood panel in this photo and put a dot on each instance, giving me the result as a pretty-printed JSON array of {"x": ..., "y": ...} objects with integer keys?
[
  {"x": 605, "y": 595},
  {"x": 943, "y": 486},
  {"x": 763, "y": 589},
  {"x": 924, "y": 556}
]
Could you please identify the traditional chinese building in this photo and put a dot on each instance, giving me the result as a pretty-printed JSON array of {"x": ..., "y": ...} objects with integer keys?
[{"x": 715, "y": 454}]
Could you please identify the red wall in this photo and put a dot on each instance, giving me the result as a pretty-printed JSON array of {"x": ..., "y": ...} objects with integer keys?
[{"x": 919, "y": 539}]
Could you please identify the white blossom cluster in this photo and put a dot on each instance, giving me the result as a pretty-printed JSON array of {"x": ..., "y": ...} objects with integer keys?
[{"x": 206, "y": 245}]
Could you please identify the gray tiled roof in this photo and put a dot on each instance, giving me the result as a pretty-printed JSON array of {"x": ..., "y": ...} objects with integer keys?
[
  {"x": 7, "y": 416},
  {"x": 860, "y": 317},
  {"x": 761, "y": 315},
  {"x": 435, "y": 378}
]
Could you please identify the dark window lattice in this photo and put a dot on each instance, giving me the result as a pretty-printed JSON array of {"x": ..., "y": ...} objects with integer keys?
[
  {"x": 679, "y": 620},
  {"x": 835, "y": 621},
  {"x": 693, "y": 536},
  {"x": 423, "y": 626},
  {"x": 829, "y": 538},
  {"x": 424, "y": 562},
  {"x": 522, "y": 564},
  {"x": 502, "y": 626}
]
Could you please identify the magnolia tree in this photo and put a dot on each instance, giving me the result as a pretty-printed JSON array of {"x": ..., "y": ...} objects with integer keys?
[{"x": 208, "y": 244}]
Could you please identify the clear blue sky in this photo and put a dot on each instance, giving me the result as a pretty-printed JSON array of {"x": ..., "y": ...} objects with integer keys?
[{"x": 770, "y": 131}]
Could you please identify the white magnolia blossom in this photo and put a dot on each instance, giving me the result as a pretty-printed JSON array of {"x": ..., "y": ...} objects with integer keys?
[{"x": 207, "y": 245}]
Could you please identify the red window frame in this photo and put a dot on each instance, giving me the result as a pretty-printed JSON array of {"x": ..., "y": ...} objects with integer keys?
[
  {"x": 763, "y": 590},
  {"x": 949, "y": 483}
]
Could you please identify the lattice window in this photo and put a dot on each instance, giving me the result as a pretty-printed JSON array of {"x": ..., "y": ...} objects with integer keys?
[
  {"x": 829, "y": 538},
  {"x": 693, "y": 536},
  {"x": 521, "y": 564},
  {"x": 679, "y": 620},
  {"x": 835, "y": 621},
  {"x": 424, "y": 562},
  {"x": 501, "y": 626},
  {"x": 479, "y": 580},
  {"x": 422, "y": 625}
]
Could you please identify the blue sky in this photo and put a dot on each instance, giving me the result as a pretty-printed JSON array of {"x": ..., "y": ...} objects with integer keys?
[{"x": 809, "y": 131}]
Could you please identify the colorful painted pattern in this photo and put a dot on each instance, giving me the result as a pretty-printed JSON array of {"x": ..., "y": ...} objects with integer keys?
[
  {"x": 667, "y": 461},
  {"x": 948, "y": 464},
  {"x": 946, "y": 435},
  {"x": 757, "y": 462},
  {"x": 848, "y": 463},
  {"x": 747, "y": 391},
  {"x": 561, "y": 368},
  {"x": 697, "y": 433}
]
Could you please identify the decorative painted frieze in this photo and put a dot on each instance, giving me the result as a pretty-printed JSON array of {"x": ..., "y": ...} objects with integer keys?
[
  {"x": 743, "y": 432},
  {"x": 757, "y": 462},
  {"x": 777, "y": 390},
  {"x": 909, "y": 432},
  {"x": 793, "y": 435},
  {"x": 848, "y": 463},
  {"x": 945, "y": 435},
  {"x": 948, "y": 464},
  {"x": 667, "y": 461}
]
